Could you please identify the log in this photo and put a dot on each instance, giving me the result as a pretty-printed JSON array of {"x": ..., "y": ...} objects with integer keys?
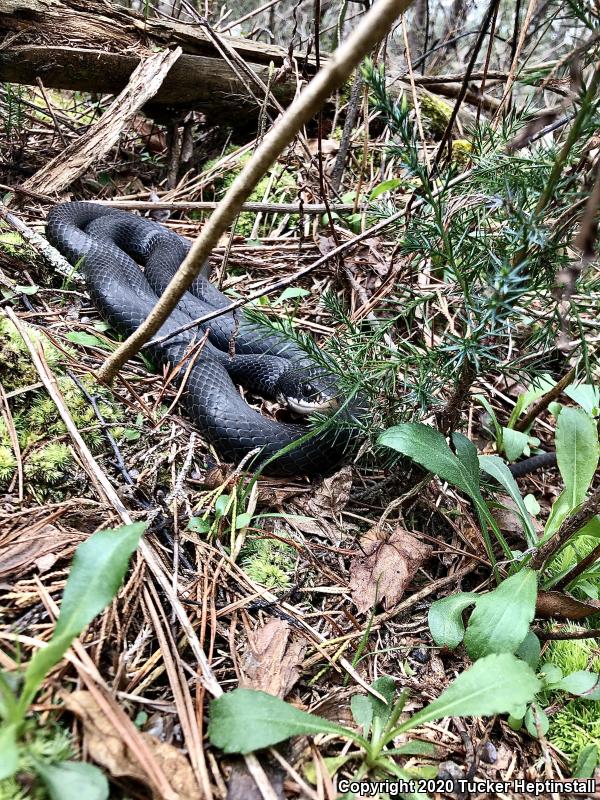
[{"x": 94, "y": 46}]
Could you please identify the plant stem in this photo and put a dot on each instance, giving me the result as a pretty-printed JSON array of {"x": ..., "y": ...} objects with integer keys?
[
  {"x": 573, "y": 523},
  {"x": 543, "y": 403}
]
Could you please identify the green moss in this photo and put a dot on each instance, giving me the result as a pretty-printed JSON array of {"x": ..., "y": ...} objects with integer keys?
[
  {"x": 49, "y": 744},
  {"x": 16, "y": 368},
  {"x": 284, "y": 186},
  {"x": 577, "y": 723},
  {"x": 436, "y": 113},
  {"x": 37, "y": 421},
  {"x": 269, "y": 562}
]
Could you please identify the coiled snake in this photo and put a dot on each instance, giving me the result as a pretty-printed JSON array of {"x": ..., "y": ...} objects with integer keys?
[{"x": 109, "y": 246}]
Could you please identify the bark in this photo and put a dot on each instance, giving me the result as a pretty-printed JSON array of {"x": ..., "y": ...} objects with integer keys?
[{"x": 94, "y": 46}]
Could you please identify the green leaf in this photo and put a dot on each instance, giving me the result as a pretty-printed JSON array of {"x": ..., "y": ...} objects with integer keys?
[
  {"x": 467, "y": 455},
  {"x": 550, "y": 674},
  {"x": 291, "y": 293},
  {"x": 385, "y": 186},
  {"x": 87, "y": 339},
  {"x": 538, "y": 388},
  {"x": 581, "y": 683},
  {"x": 245, "y": 720},
  {"x": 587, "y": 761},
  {"x": 585, "y": 395},
  {"x": 415, "y": 748},
  {"x": 495, "y": 466},
  {"x": 530, "y": 649},
  {"x": 9, "y": 751},
  {"x": 242, "y": 521},
  {"x": 221, "y": 505},
  {"x": 198, "y": 525},
  {"x": 531, "y": 504},
  {"x": 496, "y": 684},
  {"x": 73, "y": 780},
  {"x": 577, "y": 452},
  {"x": 502, "y": 617},
  {"x": 96, "y": 574},
  {"x": 332, "y": 765},
  {"x": 515, "y": 443},
  {"x": 362, "y": 712},
  {"x": 530, "y": 719},
  {"x": 428, "y": 448},
  {"x": 445, "y": 618}
]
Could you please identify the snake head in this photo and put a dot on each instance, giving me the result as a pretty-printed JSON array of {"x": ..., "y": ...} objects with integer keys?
[{"x": 307, "y": 392}]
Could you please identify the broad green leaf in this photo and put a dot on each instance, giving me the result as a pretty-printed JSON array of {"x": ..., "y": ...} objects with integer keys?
[
  {"x": 73, "y": 780},
  {"x": 515, "y": 443},
  {"x": 581, "y": 683},
  {"x": 9, "y": 751},
  {"x": 222, "y": 505},
  {"x": 501, "y": 618},
  {"x": 445, "y": 618},
  {"x": 496, "y": 467},
  {"x": 587, "y": 761},
  {"x": 577, "y": 452},
  {"x": 585, "y": 395},
  {"x": 531, "y": 504},
  {"x": 530, "y": 721},
  {"x": 530, "y": 649},
  {"x": 98, "y": 569},
  {"x": 362, "y": 712},
  {"x": 87, "y": 339},
  {"x": 416, "y": 748},
  {"x": 467, "y": 454},
  {"x": 198, "y": 525},
  {"x": 385, "y": 186},
  {"x": 243, "y": 520},
  {"x": 496, "y": 684},
  {"x": 245, "y": 720},
  {"x": 550, "y": 673},
  {"x": 428, "y": 448}
]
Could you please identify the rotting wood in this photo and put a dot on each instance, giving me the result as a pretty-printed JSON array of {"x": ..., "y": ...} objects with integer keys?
[
  {"x": 104, "y": 134},
  {"x": 95, "y": 46}
]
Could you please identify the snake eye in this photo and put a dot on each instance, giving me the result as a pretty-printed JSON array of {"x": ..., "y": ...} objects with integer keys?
[{"x": 308, "y": 388}]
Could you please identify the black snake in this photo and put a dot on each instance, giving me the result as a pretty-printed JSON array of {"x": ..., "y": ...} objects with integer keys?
[{"x": 109, "y": 245}]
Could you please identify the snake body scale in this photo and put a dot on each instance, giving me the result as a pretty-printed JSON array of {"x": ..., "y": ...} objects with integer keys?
[{"x": 110, "y": 247}]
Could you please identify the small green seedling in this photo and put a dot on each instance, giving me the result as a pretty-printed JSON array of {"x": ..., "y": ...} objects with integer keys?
[{"x": 98, "y": 569}]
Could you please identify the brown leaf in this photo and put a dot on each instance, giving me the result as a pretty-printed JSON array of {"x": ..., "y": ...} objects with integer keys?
[
  {"x": 509, "y": 518},
  {"x": 108, "y": 749},
  {"x": 561, "y": 606},
  {"x": 27, "y": 548},
  {"x": 272, "y": 659},
  {"x": 331, "y": 496},
  {"x": 385, "y": 567}
]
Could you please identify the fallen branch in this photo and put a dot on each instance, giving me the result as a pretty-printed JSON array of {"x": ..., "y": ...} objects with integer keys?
[
  {"x": 373, "y": 27},
  {"x": 76, "y": 159}
]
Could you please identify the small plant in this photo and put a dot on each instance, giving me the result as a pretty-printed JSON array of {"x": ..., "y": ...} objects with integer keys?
[
  {"x": 245, "y": 720},
  {"x": 97, "y": 572}
]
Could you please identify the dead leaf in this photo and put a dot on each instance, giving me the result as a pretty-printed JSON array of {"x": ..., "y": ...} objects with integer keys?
[
  {"x": 272, "y": 659},
  {"x": 331, "y": 496},
  {"x": 384, "y": 567},
  {"x": 109, "y": 750},
  {"x": 562, "y": 606},
  {"x": 28, "y": 547},
  {"x": 509, "y": 518}
]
